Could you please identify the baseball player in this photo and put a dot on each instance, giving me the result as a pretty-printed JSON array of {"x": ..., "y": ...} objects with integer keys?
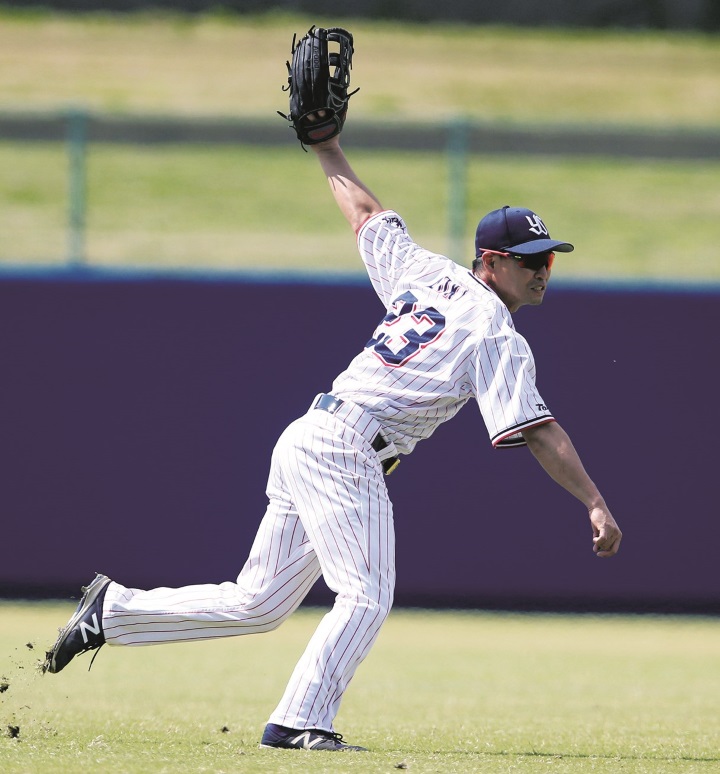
[{"x": 447, "y": 338}]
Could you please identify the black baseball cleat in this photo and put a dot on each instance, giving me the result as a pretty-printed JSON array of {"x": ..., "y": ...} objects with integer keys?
[
  {"x": 83, "y": 631},
  {"x": 310, "y": 739}
]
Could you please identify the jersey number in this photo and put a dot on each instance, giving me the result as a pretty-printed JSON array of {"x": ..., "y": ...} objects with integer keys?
[{"x": 405, "y": 330}]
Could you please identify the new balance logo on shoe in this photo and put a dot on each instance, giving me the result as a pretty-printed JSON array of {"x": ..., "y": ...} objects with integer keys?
[
  {"x": 83, "y": 631},
  {"x": 306, "y": 741},
  {"x": 284, "y": 738},
  {"x": 85, "y": 627}
]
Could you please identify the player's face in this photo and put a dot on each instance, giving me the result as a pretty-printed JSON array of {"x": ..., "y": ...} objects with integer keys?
[{"x": 522, "y": 281}]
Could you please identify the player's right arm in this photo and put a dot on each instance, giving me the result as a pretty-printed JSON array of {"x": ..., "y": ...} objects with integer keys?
[
  {"x": 355, "y": 200},
  {"x": 554, "y": 450}
]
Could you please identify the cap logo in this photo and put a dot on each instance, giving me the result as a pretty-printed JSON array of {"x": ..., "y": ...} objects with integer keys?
[{"x": 536, "y": 225}]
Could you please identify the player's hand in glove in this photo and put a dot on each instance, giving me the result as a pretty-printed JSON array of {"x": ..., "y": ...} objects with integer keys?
[{"x": 318, "y": 82}]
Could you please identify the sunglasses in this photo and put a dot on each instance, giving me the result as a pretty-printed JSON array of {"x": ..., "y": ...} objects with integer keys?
[{"x": 532, "y": 262}]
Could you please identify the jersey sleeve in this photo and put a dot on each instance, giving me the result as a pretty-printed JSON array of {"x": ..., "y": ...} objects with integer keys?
[
  {"x": 386, "y": 248},
  {"x": 504, "y": 375}
]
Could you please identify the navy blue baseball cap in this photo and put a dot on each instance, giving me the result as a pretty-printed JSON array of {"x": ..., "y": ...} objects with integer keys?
[{"x": 516, "y": 230}]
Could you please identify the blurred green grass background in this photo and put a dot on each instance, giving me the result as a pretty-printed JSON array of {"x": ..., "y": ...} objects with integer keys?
[
  {"x": 218, "y": 207},
  {"x": 206, "y": 64}
]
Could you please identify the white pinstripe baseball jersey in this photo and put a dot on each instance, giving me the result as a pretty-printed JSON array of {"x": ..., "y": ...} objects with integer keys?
[{"x": 447, "y": 337}]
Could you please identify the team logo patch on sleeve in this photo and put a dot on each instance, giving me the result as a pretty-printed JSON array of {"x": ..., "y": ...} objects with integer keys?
[{"x": 393, "y": 220}]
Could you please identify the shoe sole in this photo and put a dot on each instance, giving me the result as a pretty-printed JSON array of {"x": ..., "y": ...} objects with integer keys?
[
  {"x": 350, "y": 748},
  {"x": 90, "y": 595}
]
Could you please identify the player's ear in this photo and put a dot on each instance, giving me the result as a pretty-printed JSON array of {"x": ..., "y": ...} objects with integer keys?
[
  {"x": 488, "y": 260},
  {"x": 485, "y": 262}
]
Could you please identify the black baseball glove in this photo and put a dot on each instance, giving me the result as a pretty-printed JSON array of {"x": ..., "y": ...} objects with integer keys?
[{"x": 318, "y": 81}]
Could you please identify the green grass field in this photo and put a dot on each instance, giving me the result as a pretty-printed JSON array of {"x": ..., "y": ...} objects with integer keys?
[
  {"x": 441, "y": 692},
  {"x": 250, "y": 208},
  {"x": 230, "y": 65}
]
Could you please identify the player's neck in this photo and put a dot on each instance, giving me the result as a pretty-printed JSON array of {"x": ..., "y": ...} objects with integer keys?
[{"x": 490, "y": 282}]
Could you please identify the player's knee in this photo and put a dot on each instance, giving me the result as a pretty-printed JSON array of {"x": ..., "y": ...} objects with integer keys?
[
  {"x": 380, "y": 607},
  {"x": 386, "y": 605}
]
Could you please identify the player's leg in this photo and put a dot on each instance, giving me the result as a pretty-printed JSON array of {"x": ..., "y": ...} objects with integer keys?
[
  {"x": 342, "y": 500},
  {"x": 280, "y": 570}
]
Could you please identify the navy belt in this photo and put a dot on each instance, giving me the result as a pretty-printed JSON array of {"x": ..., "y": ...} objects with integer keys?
[{"x": 331, "y": 404}]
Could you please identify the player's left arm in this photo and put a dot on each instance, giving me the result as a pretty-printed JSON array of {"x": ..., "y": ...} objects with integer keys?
[
  {"x": 554, "y": 450},
  {"x": 355, "y": 200}
]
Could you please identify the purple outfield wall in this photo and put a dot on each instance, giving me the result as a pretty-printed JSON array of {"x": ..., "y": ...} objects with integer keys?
[{"x": 138, "y": 417}]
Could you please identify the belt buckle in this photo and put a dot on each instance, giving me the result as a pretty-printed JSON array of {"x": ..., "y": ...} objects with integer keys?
[{"x": 327, "y": 402}]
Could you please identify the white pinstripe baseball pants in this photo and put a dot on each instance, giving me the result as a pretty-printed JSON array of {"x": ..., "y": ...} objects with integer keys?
[{"x": 328, "y": 513}]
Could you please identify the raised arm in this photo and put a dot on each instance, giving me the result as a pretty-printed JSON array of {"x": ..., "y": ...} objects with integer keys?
[
  {"x": 356, "y": 202},
  {"x": 553, "y": 449}
]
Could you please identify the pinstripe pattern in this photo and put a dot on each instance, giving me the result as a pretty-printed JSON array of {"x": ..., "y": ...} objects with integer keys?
[
  {"x": 328, "y": 512},
  {"x": 447, "y": 338},
  {"x": 343, "y": 491},
  {"x": 479, "y": 354}
]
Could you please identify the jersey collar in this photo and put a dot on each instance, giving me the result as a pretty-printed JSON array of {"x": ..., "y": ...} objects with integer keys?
[{"x": 480, "y": 282}]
